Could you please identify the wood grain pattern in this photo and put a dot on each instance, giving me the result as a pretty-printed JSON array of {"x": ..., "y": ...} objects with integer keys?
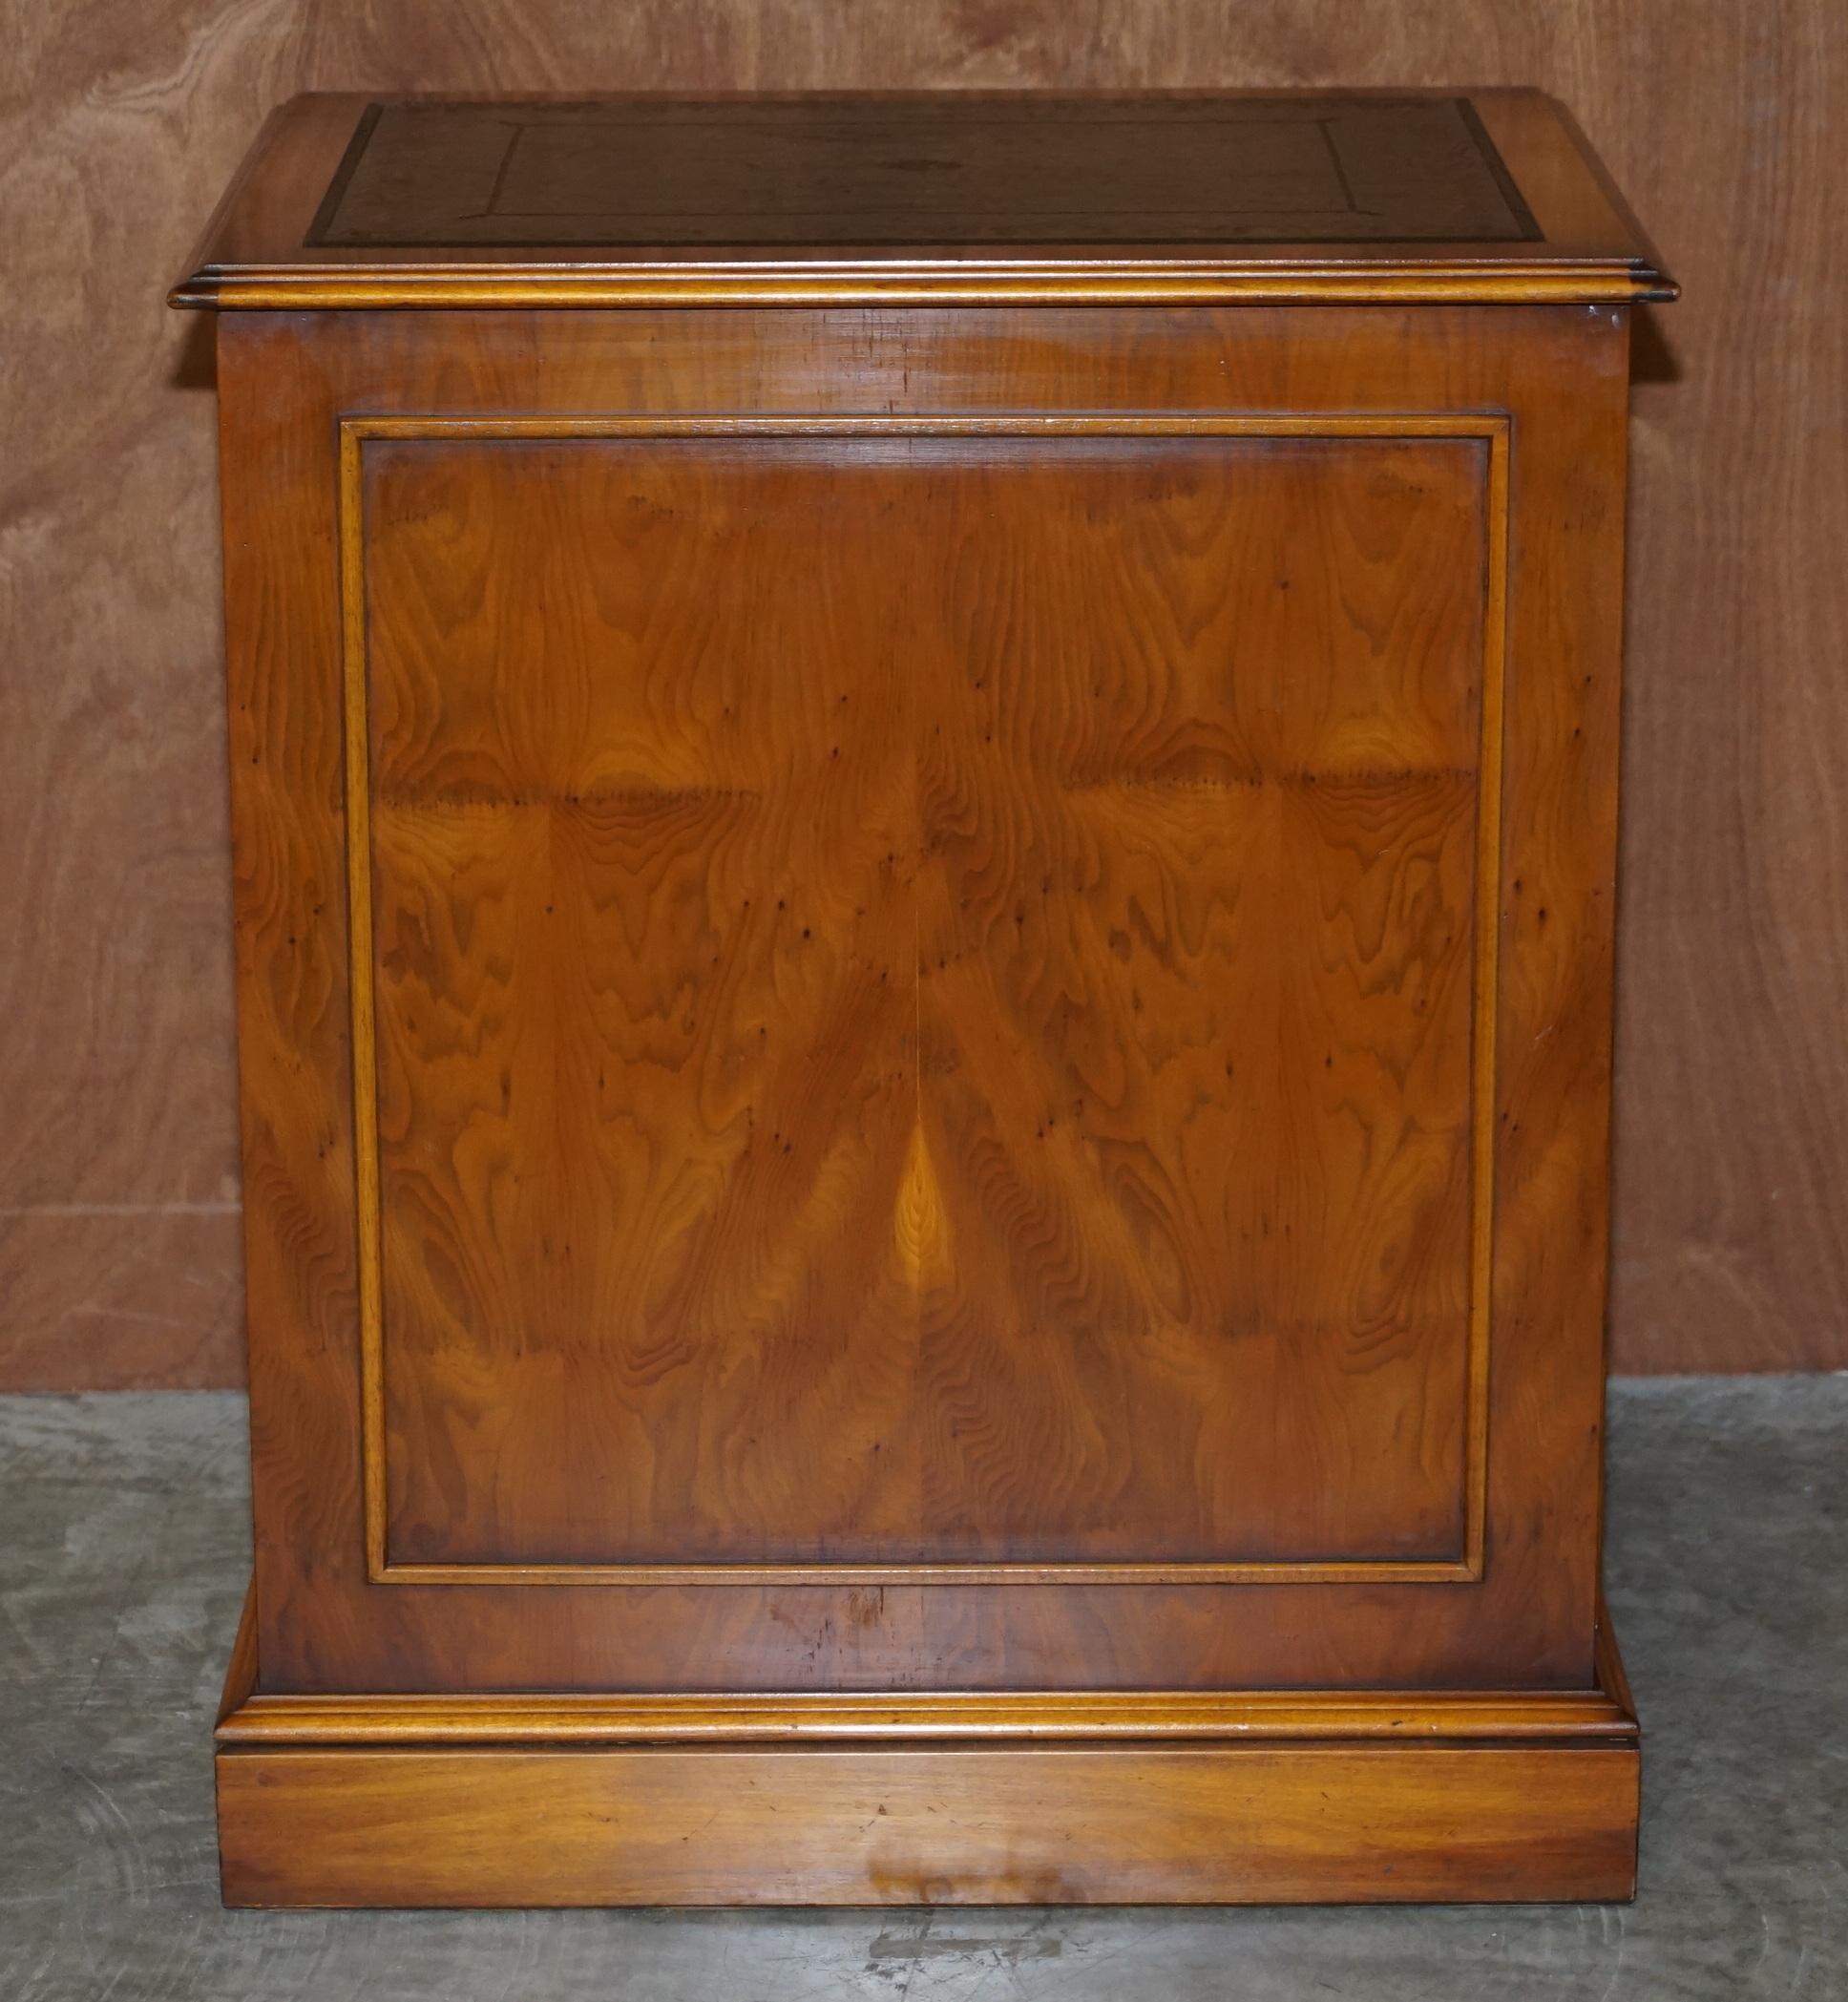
[
  {"x": 116, "y": 1091},
  {"x": 518, "y": 1246},
  {"x": 1238, "y": 1795},
  {"x": 652, "y": 726},
  {"x": 620, "y": 1825}
]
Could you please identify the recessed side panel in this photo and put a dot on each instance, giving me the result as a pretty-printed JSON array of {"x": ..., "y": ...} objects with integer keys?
[{"x": 923, "y": 996}]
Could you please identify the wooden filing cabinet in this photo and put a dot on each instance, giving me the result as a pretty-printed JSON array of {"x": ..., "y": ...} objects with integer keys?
[{"x": 925, "y": 803}]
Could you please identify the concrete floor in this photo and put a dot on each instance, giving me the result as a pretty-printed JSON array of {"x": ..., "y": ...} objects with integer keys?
[{"x": 123, "y": 1551}]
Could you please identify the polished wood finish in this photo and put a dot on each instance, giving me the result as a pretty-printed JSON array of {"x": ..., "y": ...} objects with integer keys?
[
  {"x": 866, "y": 911},
  {"x": 925, "y": 1004},
  {"x": 909, "y": 1824},
  {"x": 1239, "y": 1797},
  {"x": 119, "y": 1229},
  {"x": 1241, "y": 1716},
  {"x": 1183, "y": 199}
]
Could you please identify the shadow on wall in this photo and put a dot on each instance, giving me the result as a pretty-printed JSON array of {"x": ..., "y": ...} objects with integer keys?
[{"x": 195, "y": 365}]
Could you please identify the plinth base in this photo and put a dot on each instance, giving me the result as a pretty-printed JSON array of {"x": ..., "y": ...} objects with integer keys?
[{"x": 999, "y": 1799}]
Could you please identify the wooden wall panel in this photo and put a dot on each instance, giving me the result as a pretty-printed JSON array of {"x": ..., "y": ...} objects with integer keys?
[{"x": 118, "y": 1256}]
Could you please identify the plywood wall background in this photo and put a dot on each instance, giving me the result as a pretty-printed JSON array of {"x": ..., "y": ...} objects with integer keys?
[{"x": 119, "y": 122}]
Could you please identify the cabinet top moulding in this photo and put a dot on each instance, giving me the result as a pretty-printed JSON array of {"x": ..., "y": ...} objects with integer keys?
[{"x": 982, "y": 198}]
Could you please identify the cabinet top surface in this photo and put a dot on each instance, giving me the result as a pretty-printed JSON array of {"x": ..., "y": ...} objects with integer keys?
[{"x": 1401, "y": 194}]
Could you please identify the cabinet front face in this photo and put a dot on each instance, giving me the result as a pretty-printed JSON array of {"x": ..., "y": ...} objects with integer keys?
[{"x": 951, "y": 1045}]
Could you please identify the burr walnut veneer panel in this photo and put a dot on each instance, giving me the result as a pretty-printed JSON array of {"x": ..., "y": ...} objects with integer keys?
[{"x": 956, "y": 1046}]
